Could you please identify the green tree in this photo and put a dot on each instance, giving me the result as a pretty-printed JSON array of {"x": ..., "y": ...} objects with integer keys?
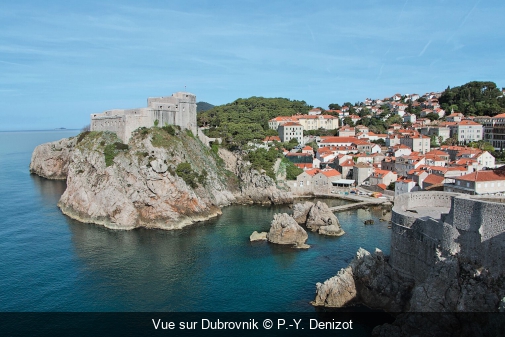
[
  {"x": 348, "y": 121},
  {"x": 334, "y": 106}
]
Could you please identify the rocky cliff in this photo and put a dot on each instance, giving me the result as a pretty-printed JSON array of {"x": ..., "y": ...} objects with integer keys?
[
  {"x": 453, "y": 286},
  {"x": 164, "y": 178}
]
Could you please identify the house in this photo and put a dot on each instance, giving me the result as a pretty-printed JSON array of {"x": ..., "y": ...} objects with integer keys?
[
  {"x": 291, "y": 130},
  {"x": 478, "y": 183},
  {"x": 337, "y": 141},
  {"x": 345, "y": 168},
  {"x": 322, "y": 181},
  {"x": 315, "y": 111},
  {"x": 361, "y": 172},
  {"x": 399, "y": 150},
  {"x": 432, "y": 181},
  {"x": 346, "y": 131},
  {"x": 308, "y": 149},
  {"x": 405, "y": 185},
  {"x": 417, "y": 143},
  {"x": 455, "y": 117},
  {"x": 303, "y": 183},
  {"x": 382, "y": 177},
  {"x": 467, "y": 131},
  {"x": 271, "y": 139},
  {"x": 275, "y": 122},
  {"x": 316, "y": 122},
  {"x": 409, "y": 118}
]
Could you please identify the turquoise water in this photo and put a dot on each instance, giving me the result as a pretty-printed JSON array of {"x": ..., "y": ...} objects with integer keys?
[{"x": 52, "y": 263}]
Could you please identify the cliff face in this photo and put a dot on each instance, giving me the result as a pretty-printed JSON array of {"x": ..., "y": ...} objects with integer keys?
[
  {"x": 51, "y": 160},
  {"x": 162, "y": 178}
]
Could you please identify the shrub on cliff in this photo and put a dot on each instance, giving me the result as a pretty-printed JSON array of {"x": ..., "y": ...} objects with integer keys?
[
  {"x": 190, "y": 177},
  {"x": 110, "y": 151}
]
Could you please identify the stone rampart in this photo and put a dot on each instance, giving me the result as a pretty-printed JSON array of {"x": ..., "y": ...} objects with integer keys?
[{"x": 428, "y": 223}]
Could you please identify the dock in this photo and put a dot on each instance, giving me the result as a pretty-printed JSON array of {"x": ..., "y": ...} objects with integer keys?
[{"x": 359, "y": 201}]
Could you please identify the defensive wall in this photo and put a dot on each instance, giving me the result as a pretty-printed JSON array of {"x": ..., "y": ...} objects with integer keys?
[{"x": 425, "y": 224}]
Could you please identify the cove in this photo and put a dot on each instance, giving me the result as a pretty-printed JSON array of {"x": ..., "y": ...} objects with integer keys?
[{"x": 53, "y": 263}]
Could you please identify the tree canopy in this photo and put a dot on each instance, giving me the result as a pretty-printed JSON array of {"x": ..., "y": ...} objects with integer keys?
[
  {"x": 246, "y": 119},
  {"x": 474, "y": 98}
]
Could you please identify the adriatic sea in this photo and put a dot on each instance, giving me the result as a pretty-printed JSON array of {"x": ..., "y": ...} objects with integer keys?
[{"x": 49, "y": 262}]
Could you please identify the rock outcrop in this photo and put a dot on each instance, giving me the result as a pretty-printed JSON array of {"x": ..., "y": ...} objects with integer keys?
[
  {"x": 285, "y": 230},
  {"x": 51, "y": 160},
  {"x": 255, "y": 236},
  {"x": 254, "y": 187},
  {"x": 317, "y": 217},
  {"x": 368, "y": 279},
  {"x": 159, "y": 179}
]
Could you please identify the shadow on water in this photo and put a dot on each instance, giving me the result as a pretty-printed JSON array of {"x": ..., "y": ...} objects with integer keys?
[{"x": 49, "y": 191}]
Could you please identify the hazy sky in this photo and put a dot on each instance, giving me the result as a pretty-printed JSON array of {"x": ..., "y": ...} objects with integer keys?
[{"x": 60, "y": 61}]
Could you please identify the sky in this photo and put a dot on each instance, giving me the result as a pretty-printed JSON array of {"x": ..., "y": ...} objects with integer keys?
[{"x": 60, "y": 61}]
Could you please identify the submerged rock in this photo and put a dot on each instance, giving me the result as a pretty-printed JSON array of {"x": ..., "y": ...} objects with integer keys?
[{"x": 285, "y": 230}]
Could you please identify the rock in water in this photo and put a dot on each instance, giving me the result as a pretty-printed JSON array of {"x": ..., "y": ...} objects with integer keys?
[
  {"x": 337, "y": 291},
  {"x": 301, "y": 211},
  {"x": 255, "y": 236},
  {"x": 285, "y": 231},
  {"x": 332, "y": 230},
  {"x": 320, "y": 216}
]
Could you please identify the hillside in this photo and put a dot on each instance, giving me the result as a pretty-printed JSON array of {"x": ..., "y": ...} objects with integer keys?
[
  {"x": 474, "y": 98},
  {"x": 203, "y": 106},
  {"x": 246, "y": 119}
]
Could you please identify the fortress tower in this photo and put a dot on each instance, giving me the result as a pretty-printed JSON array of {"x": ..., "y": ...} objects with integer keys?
[{"x": 178, "y": 109}]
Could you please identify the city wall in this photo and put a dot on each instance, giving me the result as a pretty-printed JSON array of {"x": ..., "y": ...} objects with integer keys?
[{"x": 470, "y": 227}]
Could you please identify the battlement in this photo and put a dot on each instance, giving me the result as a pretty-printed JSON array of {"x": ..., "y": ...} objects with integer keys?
[
  {"x": 427, "y": 223},
  {"x": 178, "y": 109}
]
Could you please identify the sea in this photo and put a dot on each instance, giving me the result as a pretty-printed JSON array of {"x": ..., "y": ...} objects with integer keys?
[{"x": 52, "y": 263}]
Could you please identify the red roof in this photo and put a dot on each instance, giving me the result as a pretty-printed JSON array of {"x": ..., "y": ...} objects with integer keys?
[
  {"x": 292, "y": 124},
  {"x": 304, "y": 166},
  {"x": 330, "y": 173},
  {"x": 272, "y": 138},
  {"x": 483, "y": 176},
  {"x": 433, "y": 179},
  {"x": 382, "y": 186}
]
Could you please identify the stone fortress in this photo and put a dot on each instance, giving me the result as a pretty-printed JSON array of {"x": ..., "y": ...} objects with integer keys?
[
  {"x": 178, "y": 109},
  {"x": 425, "y": 224}
]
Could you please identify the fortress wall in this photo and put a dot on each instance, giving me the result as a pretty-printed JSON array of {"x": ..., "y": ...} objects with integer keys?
[
  {"x": 474, "y": 229},
  {"x": 423, "y": 199},
  {"x": 413, "y": 249},
  {"x": 482, "y": 231}
]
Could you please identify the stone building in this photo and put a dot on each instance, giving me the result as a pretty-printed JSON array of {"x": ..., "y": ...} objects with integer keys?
[{"x": 178, "y": 109}]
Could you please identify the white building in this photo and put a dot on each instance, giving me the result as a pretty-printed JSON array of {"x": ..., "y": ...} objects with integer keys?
[{"x": 289, "y": 131}]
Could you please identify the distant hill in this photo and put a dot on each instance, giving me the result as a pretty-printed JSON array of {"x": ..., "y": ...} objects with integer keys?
[
  {"x": 203, "y": 106},
  {"x": 474, "y": 98}
]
